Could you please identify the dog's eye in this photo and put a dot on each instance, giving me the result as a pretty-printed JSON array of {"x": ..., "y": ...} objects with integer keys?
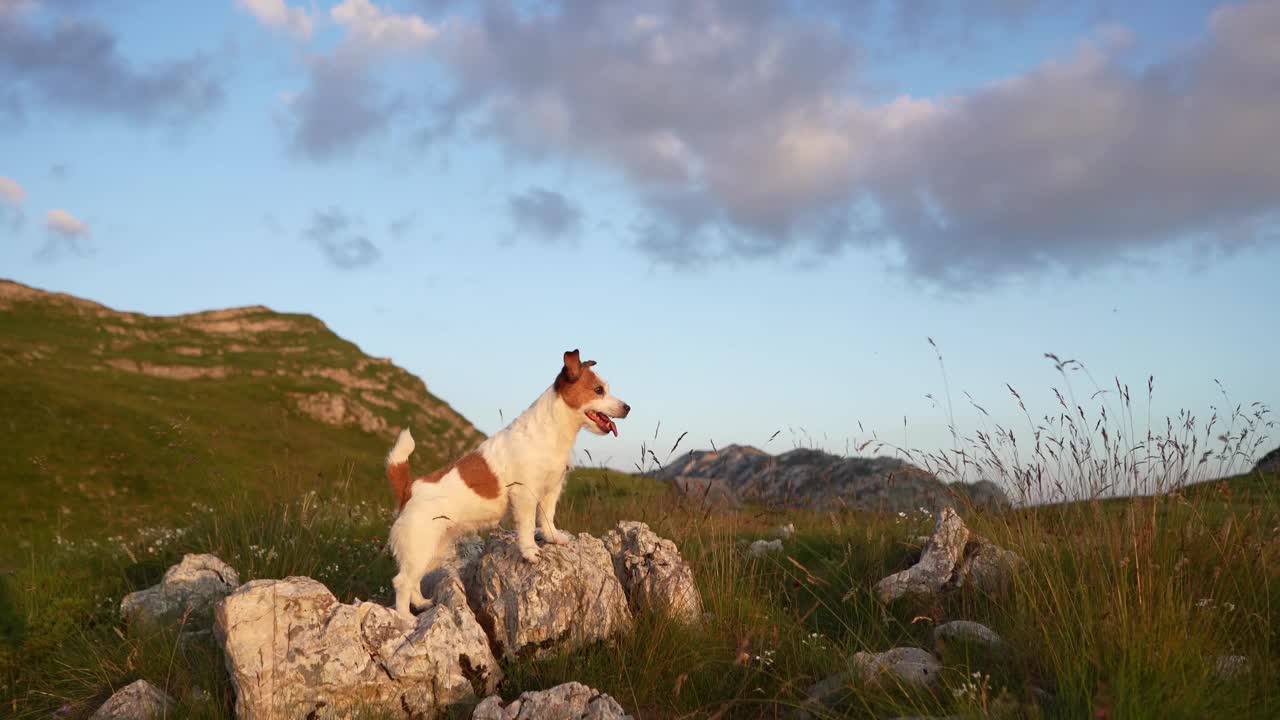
[{"x": 599, "y": 389}]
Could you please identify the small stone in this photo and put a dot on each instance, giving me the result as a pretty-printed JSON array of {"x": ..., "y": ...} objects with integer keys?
[
  {"x": 760, "y": 548},
  {"x": 137, "y": 701},
  {"x": 967, "y": 631},
  {"x": 785, "y": 532},
  {"x": 952, "y": 558},
  {"x": 1228, "y": 667},
  {"x": 191, "y": 588},
  {"x": 904, "y": 666},
  {"x": 570, "y": 701}
]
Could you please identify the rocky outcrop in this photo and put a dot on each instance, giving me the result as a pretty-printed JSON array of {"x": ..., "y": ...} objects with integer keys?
[
  {"x": 292, "y": 650},
  {"x": 187, "y": 594},
  {"x": 137, "y": 701},
  {"x": 652, "y": 573},
  {"x": 570, "y": 701},
  {"x": 952, "y": 558},
  {"x": 568, "y": 599},
  {"x": 812, "y": 478},
  {"x": 902, "y": 666},
  {"x": 706, "y": 493},
  {"x": 1269, "y": 463}
]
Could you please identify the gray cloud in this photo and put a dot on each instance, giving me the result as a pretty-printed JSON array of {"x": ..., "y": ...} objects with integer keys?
[
  {"x": 77, "y": 65},
  {"x": 546, "y": 214},
  {"x": 736, "y": 126},
  {"x": 343, "y": 105},
  {"x": 335, "y": 234}
]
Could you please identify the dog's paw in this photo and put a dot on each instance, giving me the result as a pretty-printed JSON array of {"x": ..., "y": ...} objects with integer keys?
[
  {"x": 530, "y": 554},
  {"x": 557, "y": 537}
]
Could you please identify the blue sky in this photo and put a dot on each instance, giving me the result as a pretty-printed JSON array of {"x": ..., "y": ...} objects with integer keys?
[{"x": 752, "y": 214}]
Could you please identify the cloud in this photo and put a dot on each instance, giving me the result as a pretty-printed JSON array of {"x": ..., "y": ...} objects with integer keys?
[
  {"x": 65, "y": 233},
  {"x": 331, "y": 230},
  {"x": 12, "y": 196},
  {"x": 77, "y": 66},
  {"x": 737, "y": 128},
  {"x": 343, "y": 104},
  {"x": 278, "y": 15},
  {"x": 546, "y": 214},
  {"x": 371, "y": 25},
  {"x": 11, "y": 192}
]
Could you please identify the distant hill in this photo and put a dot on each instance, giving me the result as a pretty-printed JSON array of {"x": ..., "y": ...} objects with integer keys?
[
  {"x": 819, "y": 480},
  {"x": 112, "y": 419}
]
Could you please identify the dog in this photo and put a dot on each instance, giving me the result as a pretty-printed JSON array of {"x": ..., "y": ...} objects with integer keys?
[{"x": 520, "y": 470}]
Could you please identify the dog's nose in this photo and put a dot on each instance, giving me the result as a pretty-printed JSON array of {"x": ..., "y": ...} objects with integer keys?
[{"x": 626, "y": 409}]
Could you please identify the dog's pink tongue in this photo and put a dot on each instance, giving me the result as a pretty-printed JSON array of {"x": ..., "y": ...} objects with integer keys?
[{"x": 613, "y": 427}]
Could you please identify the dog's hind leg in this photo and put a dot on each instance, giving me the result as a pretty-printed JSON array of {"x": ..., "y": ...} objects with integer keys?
[{"x": 418, "y": 551}]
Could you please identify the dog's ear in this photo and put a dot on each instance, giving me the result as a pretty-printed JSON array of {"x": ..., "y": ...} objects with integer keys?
[{"x": 572, "y": 365}]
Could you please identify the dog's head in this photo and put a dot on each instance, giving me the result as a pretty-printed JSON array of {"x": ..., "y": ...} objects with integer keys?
[{"x": 587, "y": 393}]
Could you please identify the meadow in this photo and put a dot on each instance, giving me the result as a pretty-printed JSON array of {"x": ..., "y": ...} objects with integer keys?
[{"x": 1152, "y": 549}]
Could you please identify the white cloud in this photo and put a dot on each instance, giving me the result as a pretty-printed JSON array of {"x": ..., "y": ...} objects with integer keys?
[
  {"x": 278, "y": 15},
  {"x": 63, "y": 223},
  {"x": 378, "y": 28},
  {"x": 11, "y": 191}
]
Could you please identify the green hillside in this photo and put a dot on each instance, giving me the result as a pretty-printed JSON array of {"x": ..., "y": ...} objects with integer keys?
[{"x": 114, "y": 421}]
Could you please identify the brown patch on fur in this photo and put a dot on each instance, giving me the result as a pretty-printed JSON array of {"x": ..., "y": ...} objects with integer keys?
[
  {"x": 401, "y": 482},
  {"x": 577, "y": 382},
  {"x": 472, "y": 467},
  {"x": 476, "y": 474}
]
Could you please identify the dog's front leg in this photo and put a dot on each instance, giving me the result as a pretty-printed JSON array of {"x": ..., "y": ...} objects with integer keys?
[
  {"x": 547, "y": 513},
  {"x": 524, "y": 512}
]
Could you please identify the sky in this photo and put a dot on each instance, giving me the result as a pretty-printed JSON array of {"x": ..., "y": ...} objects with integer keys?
[{"x": 754, "y": 214}]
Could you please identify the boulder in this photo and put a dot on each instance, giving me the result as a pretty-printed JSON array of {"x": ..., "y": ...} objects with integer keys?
[
  {"x": 965, "y": 631},
  {"x": 952, "y": 558},
  {"x": 652, "y": 573},
  {"x": 570, "y": 701},
  {"x": 906, "y": 667},
  {"x": 137, "y": 701},
  {"x": 191, "y": 588},
  {"x": 568, "y": 599},
  {"x": 293, "y": 651}
]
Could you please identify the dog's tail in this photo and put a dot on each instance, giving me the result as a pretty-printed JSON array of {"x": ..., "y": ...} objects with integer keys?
[{"x": 398, "y": 468}]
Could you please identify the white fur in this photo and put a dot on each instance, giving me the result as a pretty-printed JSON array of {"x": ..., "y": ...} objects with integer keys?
[{"x": 529, "y": 457}]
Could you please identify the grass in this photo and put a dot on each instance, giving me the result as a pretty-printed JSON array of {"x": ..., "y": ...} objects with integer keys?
[{"x": 1124, "y": 603}]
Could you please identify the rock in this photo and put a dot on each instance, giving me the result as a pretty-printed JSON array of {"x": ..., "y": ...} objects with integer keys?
[
  {"x": 952, "y": 558},
  {"x": 652, "y": 573},
  {"x": 292, "y": 650},
  {"x": 904, "y": 666},
  {"x": 967, "y": 631},
  {"x": 1229, "y": 667},
  {"x": 570, "y": 701},
  {"x": 137, "y": 701},
  {"x": 763, "y": 547},
  {"x": 568, "y": 599},
  {"x": 190, "y": 588},
  {"x": 811, "y": 478},
  {"x": 785, "y": 532},
  {"x": 707, "y": 493},
  {"x": 821, "y": 696}
]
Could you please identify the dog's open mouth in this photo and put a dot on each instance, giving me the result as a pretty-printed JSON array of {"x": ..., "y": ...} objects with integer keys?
[{"x": 604, "y": 422}]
